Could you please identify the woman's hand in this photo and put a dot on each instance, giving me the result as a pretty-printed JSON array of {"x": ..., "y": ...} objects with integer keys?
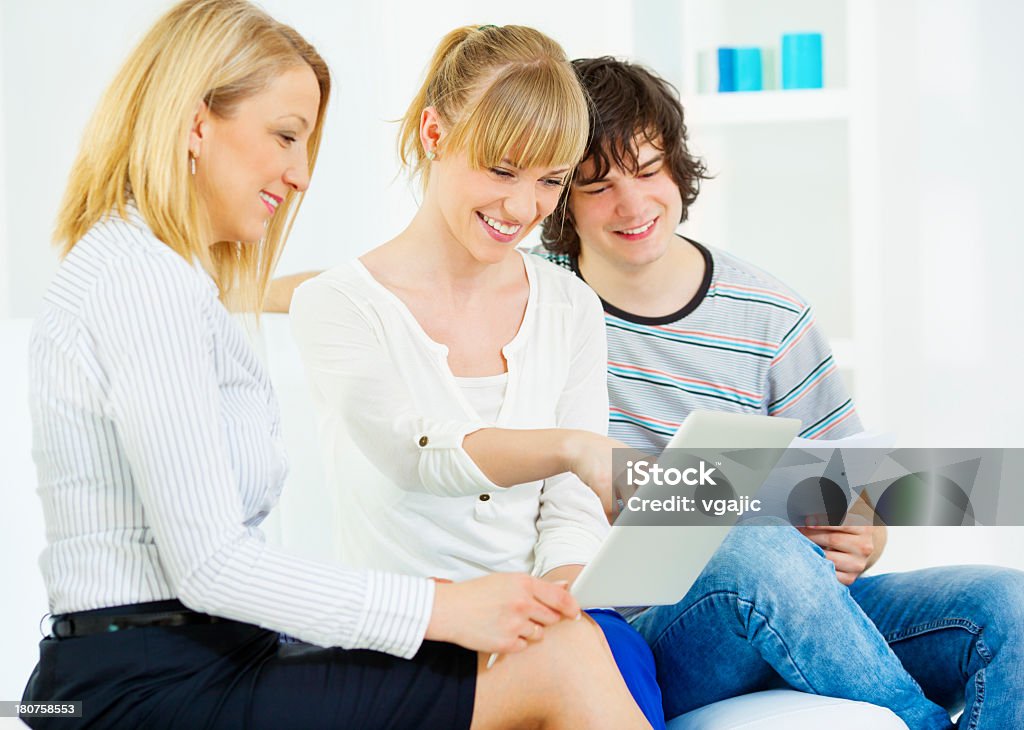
[
  {"x": 589, "y": 456},
  {"x": 564, "y": 574},
  {"x": 499, "y": 613}
]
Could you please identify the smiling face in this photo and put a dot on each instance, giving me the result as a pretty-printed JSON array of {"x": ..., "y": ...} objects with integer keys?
[
  {"x": 627, "y": 219},
  {"x": 248, "y": 162},
  {"x": 490, "y": 211}
]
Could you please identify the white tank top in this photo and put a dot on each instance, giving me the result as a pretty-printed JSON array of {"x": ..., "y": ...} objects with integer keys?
[{"x": 485, "y": 394}]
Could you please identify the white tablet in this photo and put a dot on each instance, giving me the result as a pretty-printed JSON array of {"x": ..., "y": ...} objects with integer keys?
[{"x": 646, "y": 565}]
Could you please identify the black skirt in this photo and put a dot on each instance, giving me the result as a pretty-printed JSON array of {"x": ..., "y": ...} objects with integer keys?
[{"x": 235, "y": 675}]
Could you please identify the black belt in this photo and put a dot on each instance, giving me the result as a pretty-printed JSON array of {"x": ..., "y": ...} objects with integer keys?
[{"x": 120, "y": 618}]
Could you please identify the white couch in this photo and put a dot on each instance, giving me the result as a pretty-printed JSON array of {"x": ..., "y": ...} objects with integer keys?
[{"x": 303, "y": 523}]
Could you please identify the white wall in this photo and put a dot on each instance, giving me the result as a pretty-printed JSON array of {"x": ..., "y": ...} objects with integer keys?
[
  {"x": 951, "y": 111},
  {"x": 4, "y": 265}
]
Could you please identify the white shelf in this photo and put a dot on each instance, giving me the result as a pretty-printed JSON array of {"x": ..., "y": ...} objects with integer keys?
[{"x": 705, "y": 111}]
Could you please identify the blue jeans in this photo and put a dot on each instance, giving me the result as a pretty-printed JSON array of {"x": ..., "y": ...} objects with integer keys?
[{"x": 768, "y": 612}]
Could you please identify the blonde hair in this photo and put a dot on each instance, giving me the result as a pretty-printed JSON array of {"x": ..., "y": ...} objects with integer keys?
[
  {"x": 135, "y": 148},
  {"x": 500, "y": 92}
]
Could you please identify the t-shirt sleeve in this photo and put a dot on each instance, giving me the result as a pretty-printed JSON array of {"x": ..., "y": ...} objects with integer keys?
[
  {"x": 804, "y": 382},
  {"x": 572, "y": 522}
]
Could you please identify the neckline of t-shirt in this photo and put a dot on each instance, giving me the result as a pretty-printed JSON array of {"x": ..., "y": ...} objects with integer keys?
[
  {"x": 687, "y": 309},
  {"x": 481, "y": 381}
]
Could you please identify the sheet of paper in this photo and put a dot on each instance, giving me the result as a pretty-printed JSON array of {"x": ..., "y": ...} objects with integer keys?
[
  {"x": 863, "y": 440},
  {"x": 824, "y": 476}
]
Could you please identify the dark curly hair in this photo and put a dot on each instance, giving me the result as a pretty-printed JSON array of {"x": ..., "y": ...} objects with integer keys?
[{"x": 627, "y": 102}]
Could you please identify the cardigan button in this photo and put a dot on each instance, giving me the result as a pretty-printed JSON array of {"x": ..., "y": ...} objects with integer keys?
[
  {"x": 423, "y": 441},
  {"x": 484, "y": 497}
]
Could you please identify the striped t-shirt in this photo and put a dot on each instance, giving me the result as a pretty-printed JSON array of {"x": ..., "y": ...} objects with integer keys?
[{"x": 745, "y": 343}]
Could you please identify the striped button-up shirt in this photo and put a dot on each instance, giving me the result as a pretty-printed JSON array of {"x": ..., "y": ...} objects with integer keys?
[{"x": 157, "y": 444}]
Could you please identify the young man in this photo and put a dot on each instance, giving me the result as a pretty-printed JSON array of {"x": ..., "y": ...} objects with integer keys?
[{"x": 690, "y": 327}]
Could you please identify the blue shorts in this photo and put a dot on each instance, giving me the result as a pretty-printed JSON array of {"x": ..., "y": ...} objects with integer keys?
[{"x": 635, "y": 661}]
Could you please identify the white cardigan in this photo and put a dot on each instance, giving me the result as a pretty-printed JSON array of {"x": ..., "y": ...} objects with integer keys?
[{"x": 379, "y": 381}]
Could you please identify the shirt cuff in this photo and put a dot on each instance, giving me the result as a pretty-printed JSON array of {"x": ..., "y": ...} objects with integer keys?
[
  {"x": 445, "y": 469},
  {"x": 576, "y": 549},
  {"x": 396, "y": 612}
]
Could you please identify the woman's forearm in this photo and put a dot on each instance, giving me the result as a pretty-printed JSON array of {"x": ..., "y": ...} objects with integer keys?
[
  {"x": 563, "y": 573},
  {"x": 509, "y": 456},
  {"x": 512, "y": 456}
]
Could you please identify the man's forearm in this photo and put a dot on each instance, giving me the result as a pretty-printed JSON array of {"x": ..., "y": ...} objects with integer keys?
[{"x": 279, "y": 294}]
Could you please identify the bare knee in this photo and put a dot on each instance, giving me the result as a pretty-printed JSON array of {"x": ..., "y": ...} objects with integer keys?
[{"x": 567, "y": 679}]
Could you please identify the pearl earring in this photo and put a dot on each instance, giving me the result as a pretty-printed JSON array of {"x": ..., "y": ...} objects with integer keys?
[{"x": 192, "y": 164}]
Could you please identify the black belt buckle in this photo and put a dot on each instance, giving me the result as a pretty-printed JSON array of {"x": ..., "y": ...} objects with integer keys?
[{"x": 63, "y": 627}]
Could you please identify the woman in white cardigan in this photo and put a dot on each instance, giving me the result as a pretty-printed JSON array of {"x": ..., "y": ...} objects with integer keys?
[{"x": 469, "y": 374}]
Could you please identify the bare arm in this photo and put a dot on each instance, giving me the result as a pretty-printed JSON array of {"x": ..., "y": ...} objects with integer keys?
[
  {"x": 512, "y": 456},
  {"x": 279, "y": 295},
  {"x": 563, "y": 574}
]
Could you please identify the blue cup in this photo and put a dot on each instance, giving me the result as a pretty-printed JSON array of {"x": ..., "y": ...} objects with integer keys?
[
  {"x": 739, "y": 69},
  {"x": 801, "y": 61}
]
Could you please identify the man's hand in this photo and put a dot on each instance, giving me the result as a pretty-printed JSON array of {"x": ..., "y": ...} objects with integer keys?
[
  {"x": 854, "y": 546},
  {"x": 850, "y": 547}
]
